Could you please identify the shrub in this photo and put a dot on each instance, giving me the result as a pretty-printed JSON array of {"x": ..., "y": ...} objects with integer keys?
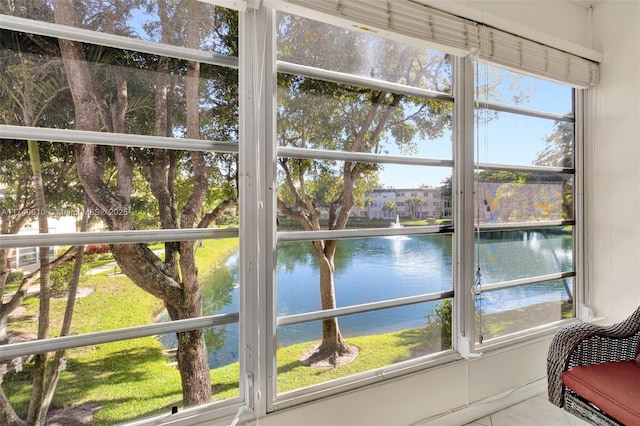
[
  {"x": 96, "y": 249},
  {"x": 439, "y": 321},
  {"x": 60, "y": 277},
  {"x": 62, "y": 250},
  {"x": 15, "y": 277}
]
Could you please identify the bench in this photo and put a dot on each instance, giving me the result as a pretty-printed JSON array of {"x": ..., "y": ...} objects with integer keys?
[{"x": 593, "y": 371}]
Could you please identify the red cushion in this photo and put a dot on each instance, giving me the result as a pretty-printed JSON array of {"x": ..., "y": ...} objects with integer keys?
[{"x": 613, "y": 387}]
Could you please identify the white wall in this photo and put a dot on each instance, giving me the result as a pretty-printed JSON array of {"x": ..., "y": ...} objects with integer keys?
[
  {"x": 613, "y": 192},
  {"x": 612, "y": 195},
  {"x": 422, "y": 395}
]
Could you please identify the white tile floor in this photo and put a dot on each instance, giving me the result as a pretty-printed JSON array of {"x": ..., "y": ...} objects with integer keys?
[{"x": 532, "y": 412}]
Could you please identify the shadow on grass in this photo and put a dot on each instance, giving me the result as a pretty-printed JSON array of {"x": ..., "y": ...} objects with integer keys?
[
  {"x": 79, "y": 382},
  {"x": 420, "y": 342},
  {"x": 287, "y": 368},
  {"x": 217, "y": 388},
  {"x": 122, "y": 366}
]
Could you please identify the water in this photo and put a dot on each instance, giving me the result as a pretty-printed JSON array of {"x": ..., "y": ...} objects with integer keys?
[{"x": 383, "y": 268}]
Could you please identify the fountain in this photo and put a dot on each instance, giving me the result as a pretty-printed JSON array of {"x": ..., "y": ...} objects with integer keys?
[{"x": 396, "y": 224}]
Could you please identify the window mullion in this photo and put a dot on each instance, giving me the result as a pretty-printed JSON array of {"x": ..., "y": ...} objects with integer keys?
[
  {"x": 251, "y": 214},
  {"x": 464, "y": 324},
  {"x": 258, "y": 213},
  {"x": 581, "y": 289}
]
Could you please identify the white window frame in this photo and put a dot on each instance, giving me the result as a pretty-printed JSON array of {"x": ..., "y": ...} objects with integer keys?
[{"x": 258, "y": 234}]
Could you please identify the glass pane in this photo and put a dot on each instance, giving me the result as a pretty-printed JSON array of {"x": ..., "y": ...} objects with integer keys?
[
  {"x": 377, "y": 338},
  {"x": 107, "y": 298},
  {"x": 502, "y": 197},
  {"x": 306, "y": 42},
  {"x": 502, "y": 312},
  {"x": 324, "y": 115},
  {"x": 494, "y": 84},
  {"x": 511, "y": 255},
  {"x": 112, "y": 383},
  {"x": 99, "y": 379},
  {"x": 522, "y": 140},
  {"x": 366, "y": 270},
  {"x": 150, "y": 196},
  {"x": 422, "y": 195},
  {"x": 217, "y": 26},
  {"x": 129, "y": 95}
]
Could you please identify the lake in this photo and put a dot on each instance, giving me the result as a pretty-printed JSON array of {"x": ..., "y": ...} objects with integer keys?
[{"x": 376, "y": 269}]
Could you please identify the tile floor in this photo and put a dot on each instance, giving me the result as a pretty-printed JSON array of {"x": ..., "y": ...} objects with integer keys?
[{"x": 532, "y": 412}]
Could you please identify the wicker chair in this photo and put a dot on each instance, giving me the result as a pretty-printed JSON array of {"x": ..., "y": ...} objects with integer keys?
[{"x": 581, "y": 343}]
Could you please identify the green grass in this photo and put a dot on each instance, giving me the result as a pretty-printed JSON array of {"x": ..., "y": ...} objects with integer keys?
[
  {"x": 134, "y": 378},
  {"x": 127, "y": 379},
  {"x": 507, "y": 322},
  {"x": 376, "y": 351},
  {"x": 421, "y": 222}
]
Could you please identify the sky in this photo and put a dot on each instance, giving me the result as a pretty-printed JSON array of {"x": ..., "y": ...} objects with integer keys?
[{"x": 508, "y": 139}]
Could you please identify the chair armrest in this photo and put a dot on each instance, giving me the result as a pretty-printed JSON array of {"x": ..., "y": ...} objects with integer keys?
[{"x": 581, "y": 343}]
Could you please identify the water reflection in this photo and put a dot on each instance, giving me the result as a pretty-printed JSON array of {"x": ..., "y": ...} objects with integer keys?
[
  {"x": 376, "y": 269},
  {"x": 366, "y": 270}
]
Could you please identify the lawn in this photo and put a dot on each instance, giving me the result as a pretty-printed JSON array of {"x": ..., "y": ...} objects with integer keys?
[
  {"x": 375, "y": 351},
  {"x": 129, "y": 379},
  {"x": 133, "y": 371}
]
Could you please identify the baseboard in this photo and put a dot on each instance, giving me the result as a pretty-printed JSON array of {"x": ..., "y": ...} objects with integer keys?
[{"x": 479, "y": 409}]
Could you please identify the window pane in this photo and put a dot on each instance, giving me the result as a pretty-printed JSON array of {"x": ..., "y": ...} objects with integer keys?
[
  {"x": 306, "y": 42},
  {"x": 378, "y": 203},
  {"x": 64, "y": 192},
  {"x": 366, "y": 270},
  {"x": 382, "y": 338},
  {"x": 360, "y": 120},
  {"x": 494, "y": 84},
  {"x": 511, "y": 255},
  {"x": 129, "y": 88},
  {"x": 112, "y": 383},
  {"x": 521, "y": 140},
  {"x": 108, "y": 299},
  {"x": 503, "y": 312},
  {"x": 503, "y": 197},
  {"x": 217, "y": 26}
]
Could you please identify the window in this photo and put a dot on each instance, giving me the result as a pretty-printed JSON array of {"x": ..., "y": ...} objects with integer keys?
[
  {"x": 341, "y": 136},
  {"x": 123, "y": 160},
  {"x": 392, "y": 202},
  {"x": 524, "y": 186}
]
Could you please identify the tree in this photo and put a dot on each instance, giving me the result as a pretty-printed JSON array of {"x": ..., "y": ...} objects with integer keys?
[
  {"x": 33, "y": 86},
  {"x": 326, "y": 115},
  {"x": 102, "y": 101},
  {"x": 559, "y": 153},
  {"x": 414, "y": 204},
  {"x": 32, "y": 90},
  {"x": 389, "y": 206},
  {"x": 24, "y": 98}
]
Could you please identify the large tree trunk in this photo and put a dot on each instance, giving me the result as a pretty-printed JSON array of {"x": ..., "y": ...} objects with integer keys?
[
  {"x": 192, "y": 351},
  {"x": 175, "y": 284},
  {"x": 333, "y": 344}
]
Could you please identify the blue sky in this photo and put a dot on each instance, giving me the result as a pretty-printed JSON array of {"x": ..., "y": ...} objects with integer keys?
[{"x": 508, "y": 139}]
